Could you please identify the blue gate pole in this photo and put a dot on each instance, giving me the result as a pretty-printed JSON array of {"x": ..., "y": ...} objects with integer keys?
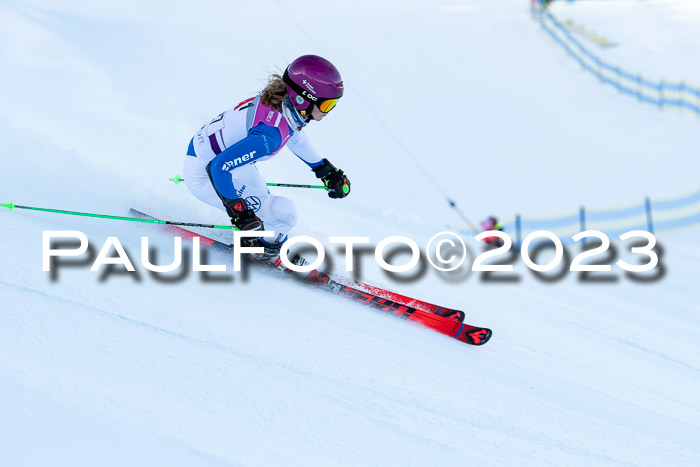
[
  {"x": 518, "y": 233},
  {"x": 650, "y": 224},
  {"x": 582, "y": 221}
]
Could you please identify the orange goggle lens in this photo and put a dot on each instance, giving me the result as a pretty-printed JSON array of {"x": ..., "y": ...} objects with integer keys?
[{"x": 327, "y": 105}]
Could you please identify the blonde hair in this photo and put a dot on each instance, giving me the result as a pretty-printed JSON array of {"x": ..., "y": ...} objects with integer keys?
[{"x": 274, "y": 93}]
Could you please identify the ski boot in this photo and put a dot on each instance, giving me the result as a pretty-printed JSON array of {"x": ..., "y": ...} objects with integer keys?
[
  {"x": 271, "y": 255},
  {"x": 245, "y": 219}
]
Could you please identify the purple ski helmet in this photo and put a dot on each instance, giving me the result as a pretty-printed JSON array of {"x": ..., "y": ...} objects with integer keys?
[{"x": 313, "y": 80}]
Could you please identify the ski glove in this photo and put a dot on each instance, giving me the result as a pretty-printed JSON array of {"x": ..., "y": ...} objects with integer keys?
[
  {"x": 241, "y": 215},
  {"x": 334, "y": 179}
]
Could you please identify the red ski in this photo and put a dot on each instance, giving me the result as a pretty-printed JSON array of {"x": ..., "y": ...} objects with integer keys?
[
  {"x": 446, "y": 321},
  {"x": 469, "y": 334}
]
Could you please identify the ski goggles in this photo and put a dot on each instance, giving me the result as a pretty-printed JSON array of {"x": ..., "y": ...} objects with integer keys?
[
  {"x": 324, "y": 105},
  {"x": 327, "y": 105}
]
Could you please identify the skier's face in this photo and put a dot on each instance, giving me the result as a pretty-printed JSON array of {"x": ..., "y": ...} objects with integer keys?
[{"x": 317, "y": 115}]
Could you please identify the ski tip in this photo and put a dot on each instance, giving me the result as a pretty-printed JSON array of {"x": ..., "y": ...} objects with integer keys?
[
  {"x": 477, "y": 336},
  {"x": 10, "y": 206}
]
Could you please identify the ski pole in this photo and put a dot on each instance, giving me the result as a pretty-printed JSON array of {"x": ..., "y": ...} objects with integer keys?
[
  {"x": 12, "y": 206},
  {"x": 296, "y": 185},
  {"x": 177, "y": 179},
  {"x": 464, "y": 217}
]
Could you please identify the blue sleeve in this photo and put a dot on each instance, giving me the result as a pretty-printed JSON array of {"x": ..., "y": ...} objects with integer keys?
[
  {"x": 262, "y": 140},
  {"x": 300, "y": 145},
  {"x": 313, "y": 165}
]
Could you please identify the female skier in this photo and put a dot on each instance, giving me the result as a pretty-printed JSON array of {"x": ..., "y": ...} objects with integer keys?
[
  {"x": 491, "y": 223},
  {"x": 220, "y": 166}
]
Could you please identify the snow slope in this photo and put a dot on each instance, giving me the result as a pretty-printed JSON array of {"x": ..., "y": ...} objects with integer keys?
[{"x": 110, "y": 368}]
